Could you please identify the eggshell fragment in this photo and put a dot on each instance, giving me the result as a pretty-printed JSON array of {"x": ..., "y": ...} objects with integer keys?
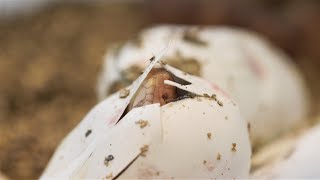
[
  {"x": 268, "y": 87},
  {"x": 81, "y": 141}
]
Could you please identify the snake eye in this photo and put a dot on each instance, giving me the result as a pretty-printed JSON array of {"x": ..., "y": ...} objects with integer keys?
[{"x": 165, "y": 97}]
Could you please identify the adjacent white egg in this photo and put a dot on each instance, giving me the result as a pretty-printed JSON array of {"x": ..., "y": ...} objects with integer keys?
[
  {"x": 262, "y": 79},
  {"x": 298, "y": 161},
  {"x": 200, "y": 137}
]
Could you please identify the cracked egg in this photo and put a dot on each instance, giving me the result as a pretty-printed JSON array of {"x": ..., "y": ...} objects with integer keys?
[{"x": 158, "y": 131}]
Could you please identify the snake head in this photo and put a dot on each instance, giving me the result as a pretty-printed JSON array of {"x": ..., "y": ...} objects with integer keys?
[{"x": 153, "y": 90}]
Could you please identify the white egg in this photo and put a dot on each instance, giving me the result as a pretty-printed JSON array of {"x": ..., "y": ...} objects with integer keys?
[
  {"x": 299, "y": 161},
  {"x": 262, "y": 79},
  {"x": 200, "y": 137}
]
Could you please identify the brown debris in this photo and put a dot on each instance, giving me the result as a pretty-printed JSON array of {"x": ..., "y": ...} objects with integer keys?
[
  {"x": 192, "y": 36},
  {"x": 124, "y": 93},
  {"x": 249, "y": 126},
  {"x": 234, "y": 145},
  {"x": 152, "y": 58},
  {"x": 204, "y": 162},
  {"x": 214, "y": 97},
  {"x": 143, "y": 150},
  {"x": 142, "y": 123},
  {"x": 188, "y": 65},
  {"x": 88, "y": 132},
  {"x": 218, "y": 156},
  {"x": 109, "y": 176},
  {"x": 209, "y": 135},
  {"x": 108, "y": 159},
  {"x": 220, "y": 103}
]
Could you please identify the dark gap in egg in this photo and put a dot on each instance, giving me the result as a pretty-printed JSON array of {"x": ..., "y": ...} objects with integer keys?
[
  {"x": 182, "y": 94},
  {"x": 124, "y": 169},
  {"x": 179, "y": 80},
  {"x": 123, "y": 114}
]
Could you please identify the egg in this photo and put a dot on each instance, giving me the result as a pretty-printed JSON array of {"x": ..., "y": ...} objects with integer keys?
[
  {"x": 201, "y": 136},
  {"x": 299, "y": 159},
  {"x": 268, "y": 87}
]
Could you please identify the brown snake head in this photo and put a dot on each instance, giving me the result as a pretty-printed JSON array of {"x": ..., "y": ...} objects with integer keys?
[{"x": 153, "y": 90}]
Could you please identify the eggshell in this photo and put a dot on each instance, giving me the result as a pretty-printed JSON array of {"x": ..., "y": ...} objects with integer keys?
[
  {"x": 268, "y": 87},
  {"x": 81, "y": 141},
  {"x": 300, "y": 161}
]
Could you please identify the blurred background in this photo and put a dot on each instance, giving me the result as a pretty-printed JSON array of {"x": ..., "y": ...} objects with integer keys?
[{"x": 51, "y": 53}]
